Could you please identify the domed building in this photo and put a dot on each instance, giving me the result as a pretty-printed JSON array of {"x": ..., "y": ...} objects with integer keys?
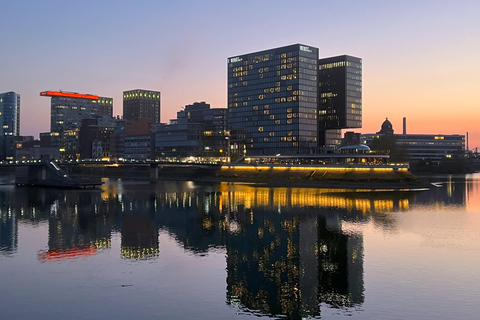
[
  {"x": 387, "y": 128},
  {"x": 414, "y": 147}
]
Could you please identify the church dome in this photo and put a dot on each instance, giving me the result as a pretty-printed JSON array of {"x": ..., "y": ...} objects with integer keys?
[{"x": 387, "y": 127}]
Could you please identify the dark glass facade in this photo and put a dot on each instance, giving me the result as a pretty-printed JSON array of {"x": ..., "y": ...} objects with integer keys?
[
  {"x": 9, "y": 124},
  {"x": 272, "y": 101},
  {"x": 340, "y": 96},
  {"x": 10, "y": 113}
]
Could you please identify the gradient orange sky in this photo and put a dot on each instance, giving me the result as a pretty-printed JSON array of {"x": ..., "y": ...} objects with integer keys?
[{"x": 421, "y": 59}]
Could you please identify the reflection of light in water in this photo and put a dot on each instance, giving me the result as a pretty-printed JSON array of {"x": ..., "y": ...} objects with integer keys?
[
  {"x": 54, "y": 208},
  {"x": 234, "y": 227},
  {"x": 449, "y": 187},
  {"x": 135, "y": 253}
]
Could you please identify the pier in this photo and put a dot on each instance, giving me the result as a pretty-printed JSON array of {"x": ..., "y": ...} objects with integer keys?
[{"x": 48, "y": 174}]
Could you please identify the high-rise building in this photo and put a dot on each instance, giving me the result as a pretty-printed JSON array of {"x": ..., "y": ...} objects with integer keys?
[
  {"x": 272, "y": 100},
  {"x": 340, "y": 97},
  {"x": 287, "y": 101},
  {"x": 9, "y": 123},
  {"x": 140, "y": 103},
  {"x": 10, "y": 113},
  {"x": 67, "y": 111}
]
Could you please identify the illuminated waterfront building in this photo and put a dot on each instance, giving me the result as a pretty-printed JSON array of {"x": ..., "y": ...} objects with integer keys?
[
  {"x": 272, "y": 99},
  {"x": 140, "y": 103},
  {"x": 66, "y": 114},
  {"x": 9, "y": 123},
  {"x": 283, "y": 100}
]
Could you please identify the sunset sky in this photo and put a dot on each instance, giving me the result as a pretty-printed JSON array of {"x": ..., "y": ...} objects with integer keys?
[{"x": 421, "y": 59}]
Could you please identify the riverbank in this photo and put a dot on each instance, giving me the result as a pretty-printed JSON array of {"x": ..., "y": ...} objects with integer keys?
[
  {"x": 321, "y": 178},
  {"x": 274, "y": 176}
]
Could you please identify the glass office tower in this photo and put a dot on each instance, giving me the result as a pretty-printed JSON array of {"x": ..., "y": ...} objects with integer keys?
[
  {"x": 340, "y": 97},
  {"x": 10, "y": 113},
  {"x": 272, "y": 101},
  {"x": 9, "y": 124}
]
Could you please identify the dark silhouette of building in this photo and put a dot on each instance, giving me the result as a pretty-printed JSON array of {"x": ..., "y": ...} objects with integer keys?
[
  {"x": 140, "y": 103},
  {"x": 198, "y": 131},
  {"x": 96, "y": 140},
  {"x": 340, "y": 97},
  {"x": 414, "y": 147}
]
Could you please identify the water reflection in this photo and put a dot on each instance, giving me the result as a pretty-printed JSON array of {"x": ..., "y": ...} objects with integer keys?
[
  {"x": 289, "y": 263},
  {"x": 288, "y": 250}
]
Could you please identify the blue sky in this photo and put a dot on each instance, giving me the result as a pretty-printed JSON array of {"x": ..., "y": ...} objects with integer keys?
[{"x": 420, "y": 58}]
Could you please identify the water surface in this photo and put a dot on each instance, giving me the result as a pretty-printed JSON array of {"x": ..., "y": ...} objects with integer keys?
[{"x": 183, "y": 250}]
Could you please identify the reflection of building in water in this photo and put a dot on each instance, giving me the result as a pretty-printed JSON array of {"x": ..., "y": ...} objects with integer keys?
[
  {"x": 79, "y": 225},
  {"x": 274, "y": 198},
  {"x": 289, "y": 263},
  {"x": 138, "y": 227},
  {"x": 193, "y": 218},
  {"x": 8, "y": 231},
  {"x": 451, "y": 191},
  {"x": 139, "y": 236}
]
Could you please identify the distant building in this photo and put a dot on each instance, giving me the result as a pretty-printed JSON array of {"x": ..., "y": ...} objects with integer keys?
[
  {"x": 351, "y": 138},
  {"x": 29, "y": 149},
  {"x": 9, "y": 124},
  {"x": 286, "y": 100},
  {"x": 137, "y": 139},
  {"x": 140, "y": 103},
  {"x": 198, "y": 131},
  {"x": 67, "y": 111},
  {"x": 416, "y": 147},
  {"x": 138, "y": 147},
  {"x": 96, "y": 139}
]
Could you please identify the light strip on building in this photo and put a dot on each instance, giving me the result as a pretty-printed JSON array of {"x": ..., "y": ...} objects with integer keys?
[{"x": 68, "y": 95}]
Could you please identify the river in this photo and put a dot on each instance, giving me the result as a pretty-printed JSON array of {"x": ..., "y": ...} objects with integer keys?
[{"x": 186, "y": 250}]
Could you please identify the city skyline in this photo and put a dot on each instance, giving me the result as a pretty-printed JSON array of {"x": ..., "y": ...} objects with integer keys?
[{"x": 420, "y": 59}]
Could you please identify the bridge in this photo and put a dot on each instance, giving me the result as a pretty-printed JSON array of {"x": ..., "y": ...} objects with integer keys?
[{"x": 75, "y": 174}]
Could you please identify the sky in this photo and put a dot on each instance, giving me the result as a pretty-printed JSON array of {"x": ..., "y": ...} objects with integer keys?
[{"x": 421, "y": 59}]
